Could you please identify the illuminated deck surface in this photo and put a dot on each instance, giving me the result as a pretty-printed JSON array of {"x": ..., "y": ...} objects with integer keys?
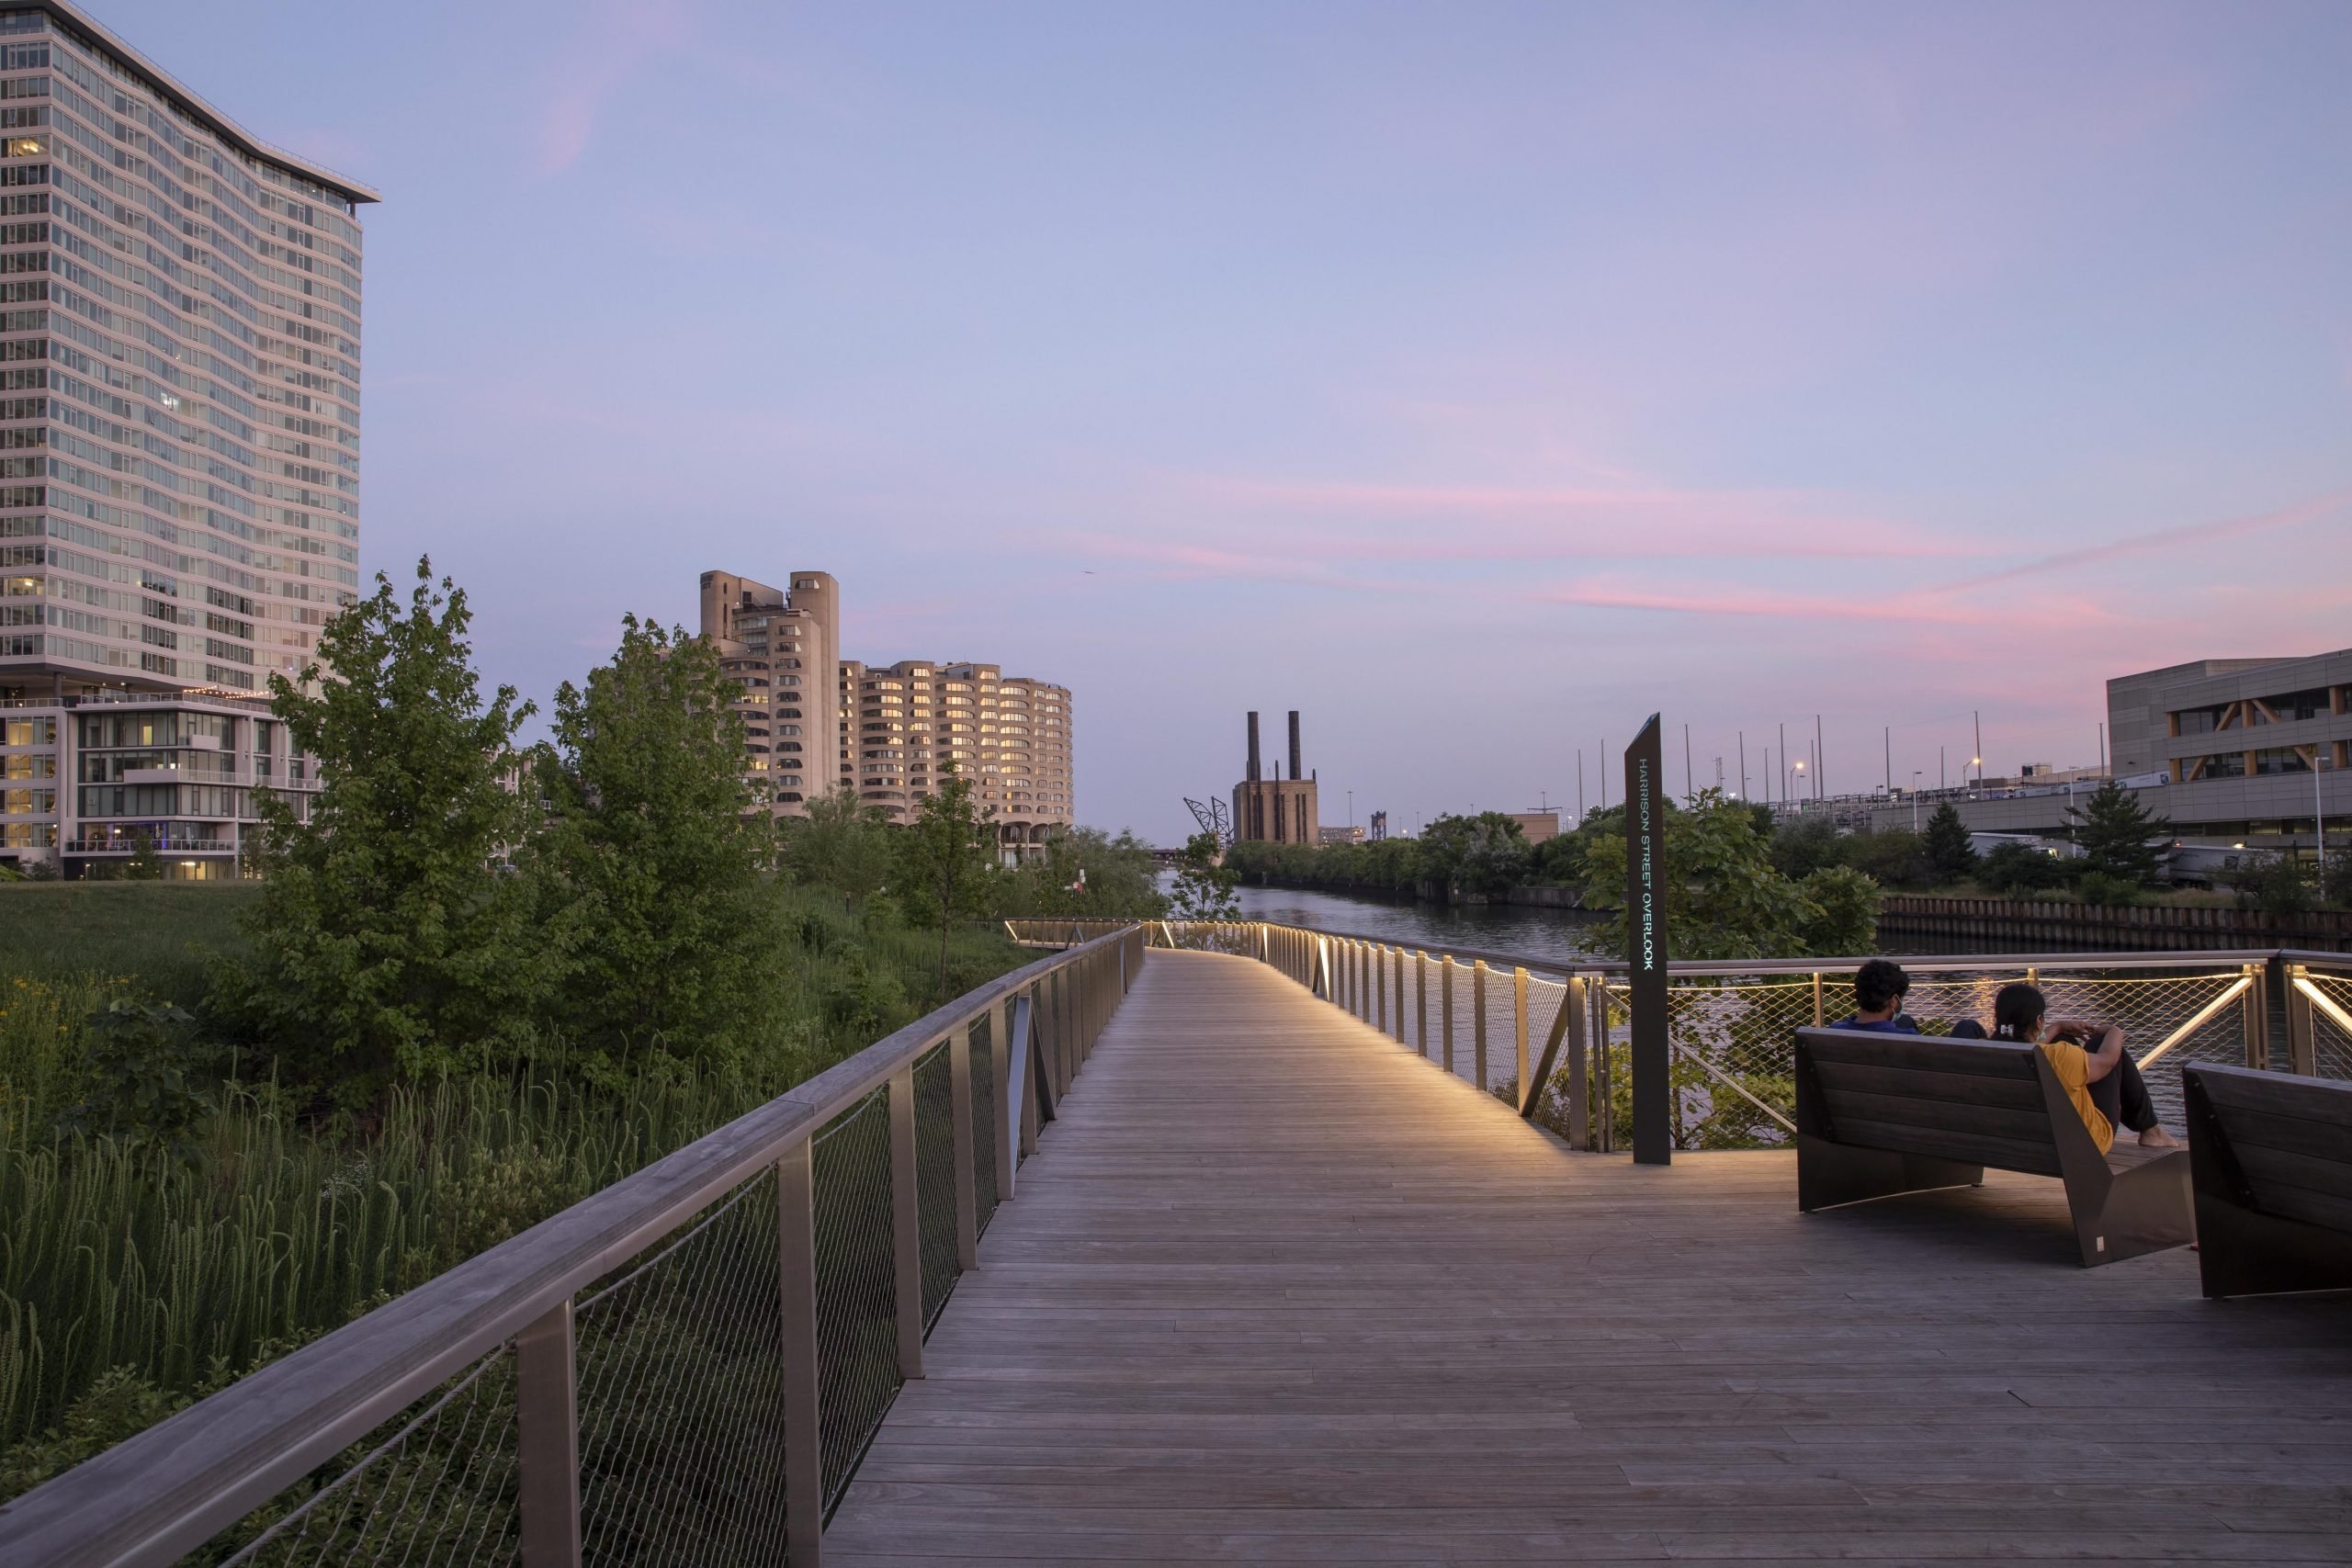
[{"x": 1276, "y": 1291}]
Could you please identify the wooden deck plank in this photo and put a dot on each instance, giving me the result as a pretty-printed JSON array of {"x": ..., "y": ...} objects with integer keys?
[{"x": 1276, "y": 1290}]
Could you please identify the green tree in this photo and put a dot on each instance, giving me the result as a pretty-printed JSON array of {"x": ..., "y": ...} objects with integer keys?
[
  {"x": 1485, "y": 854},
  {"x": 653, "y": 865},
  {"x": 1949, "y": 850},
  {"x": 1892, "y": 857},
  {"x": 1724, "y": 898},
  {"x": 1803, "y": 845},
  {"x": 1089, "y": 873},
  {"x": 1204, "y": 884},
  {"x": 2119, "y": 837},
  {"x": 842, "y": 843},
  {"x": 2018, "y": 870},
  {"x": 383, "y": 943},
  {"x": 947, "y": 857},
  {"x": 144, "y": 865}
]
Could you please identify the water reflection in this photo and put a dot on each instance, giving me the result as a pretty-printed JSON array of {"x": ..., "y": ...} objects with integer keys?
[{"x": 1556, "y": 935}]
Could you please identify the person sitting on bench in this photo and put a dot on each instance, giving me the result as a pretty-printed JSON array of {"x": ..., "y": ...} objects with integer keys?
[
  {"x": 2099, "y": 1077},
  {"x": 1880, "y": 986}
]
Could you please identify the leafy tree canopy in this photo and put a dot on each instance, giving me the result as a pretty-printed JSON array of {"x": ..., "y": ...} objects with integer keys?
[
  {"x": 1949, "y": 850},
  {"x": 383, "y": 945},
  {"x": 1486, "y": 854},
  {"x": 1724, "y": 897},
  {"x": 842, "y": 843},
  {"x": 2121, "y": 838},
  {"x": 1204, "y": 883},
  {"x": 1086, "y": 872},
  {"x": 947, "y": 858},
  {"x": 653, "y": 861}
]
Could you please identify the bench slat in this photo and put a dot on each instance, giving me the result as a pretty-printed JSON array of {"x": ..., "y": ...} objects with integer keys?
[
  {"x": 2276, "y": 1094},
  {"x": 2311, "y": 1208},
  {"x": 1921, "y": 1052},
  {"x": 1936, "y": 1115},
  {"x": 2291, "y": 1135},
  {"x": 2270, "y": 1170},
  {"x": 1973, "y": 1149},
  {"x": 1966, "y": 1089}
]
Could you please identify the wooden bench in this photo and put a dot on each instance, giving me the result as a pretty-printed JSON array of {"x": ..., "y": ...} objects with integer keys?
[
  {"x": 2272, "y": 1158},
  {"x": 1880, "y": 1115}
]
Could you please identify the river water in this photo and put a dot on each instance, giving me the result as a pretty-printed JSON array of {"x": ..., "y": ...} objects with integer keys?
[{"x": 1552, "y": 935}]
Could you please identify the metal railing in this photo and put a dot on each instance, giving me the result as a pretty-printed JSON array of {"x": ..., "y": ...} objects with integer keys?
[
  {"x": 683, "y": 1369},
  {"x": 1554, "y": 1039}
]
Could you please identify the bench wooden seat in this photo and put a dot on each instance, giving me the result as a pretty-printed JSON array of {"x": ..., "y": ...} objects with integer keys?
[
  {"x": 2272, "y": 1159},
  {"x": 1882, "y": 1114}
]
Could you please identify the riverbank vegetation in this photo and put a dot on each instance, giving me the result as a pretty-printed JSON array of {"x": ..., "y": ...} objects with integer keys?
[{"x": 477, "y": 984}]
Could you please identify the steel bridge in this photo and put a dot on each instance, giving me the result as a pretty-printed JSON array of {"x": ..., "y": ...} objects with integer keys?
[{"x": 1249, "y": 1243}]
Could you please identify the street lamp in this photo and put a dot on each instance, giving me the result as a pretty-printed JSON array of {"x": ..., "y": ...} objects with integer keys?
[{"x": 1914, "y": 799}]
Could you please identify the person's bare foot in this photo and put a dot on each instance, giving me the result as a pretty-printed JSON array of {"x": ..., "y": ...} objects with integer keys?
[{"x": 2157, "y": 1138}]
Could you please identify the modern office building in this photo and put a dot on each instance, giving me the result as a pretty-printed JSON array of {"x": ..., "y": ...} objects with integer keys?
[
  {"x": 179, "y": 447},
  {"x": 783, "y": 646},
  {"x": 1277, "y": 810},
  {"x": 904, "y": 725},
  {"x": 2253, "y": 753}
]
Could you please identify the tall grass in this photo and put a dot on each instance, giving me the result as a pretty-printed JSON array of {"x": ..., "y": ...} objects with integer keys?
[{"x": 135, "y": 1275}]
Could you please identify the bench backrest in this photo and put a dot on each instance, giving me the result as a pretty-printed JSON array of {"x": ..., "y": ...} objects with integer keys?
[
  {"x": 2285, "y": 1143},
  {"x": 1977, "y": 1101}
]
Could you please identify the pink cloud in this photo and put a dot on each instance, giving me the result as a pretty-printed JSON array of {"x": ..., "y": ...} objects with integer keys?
[
  {"x": 614, "y": 37},
  {"x": 2306, "y": 511}
]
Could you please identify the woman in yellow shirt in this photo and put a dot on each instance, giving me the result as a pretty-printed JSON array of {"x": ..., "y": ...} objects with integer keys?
[{"x": 2101, "y": 1080}]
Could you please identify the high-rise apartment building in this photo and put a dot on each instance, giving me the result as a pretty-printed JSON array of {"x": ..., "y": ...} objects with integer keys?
[
  {"x": 180, "y": 449},
  {"x": 783, "y": 646},
  {"x": 891, "y": 730},
  {"x": 904, "y": 725},
  {"x": 179, "y": 377}
]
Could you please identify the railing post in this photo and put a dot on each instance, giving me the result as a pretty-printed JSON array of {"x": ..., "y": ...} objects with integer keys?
[
  {"x": 1604, "y": 1103},
  {"x": 1397, "y": 967},
  {"x": 547, "y": 1441},
  {"x": 1518, "y": 1027},
  {"x": 1820, "y": 1018},
  {"x": 1007, "y": 1120},
  {"x": 1380, "y": 984},
  {"x": 1445, "y": 1006},
  {"x": 1029, "y": 1061},
  {"x": 1580, "y": 1034},
  {"x": 2255, "y": 1016},
  {"x": 2303, "y": 1032},
  {"x": 1478, "y": 1021},
  {"x": 906, "y": 1222},
  {"x": 804, "y": 1454},
  {"x": 959, "y": 1103},
  {"x": 1421, "y": 1000}
]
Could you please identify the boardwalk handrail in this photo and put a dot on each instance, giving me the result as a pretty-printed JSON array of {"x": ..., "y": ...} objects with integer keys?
[
  {"x": 1732, "y": 1024},
  {"x": 176, "y": 1486}
]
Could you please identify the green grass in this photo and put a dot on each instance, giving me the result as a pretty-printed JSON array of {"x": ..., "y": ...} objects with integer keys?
[
  {"x": 164, "y": 937},
  {"x": 135, "y": 1277}
]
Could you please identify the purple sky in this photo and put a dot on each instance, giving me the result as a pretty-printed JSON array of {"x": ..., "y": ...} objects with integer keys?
[{"x": 1475, "y": 378}]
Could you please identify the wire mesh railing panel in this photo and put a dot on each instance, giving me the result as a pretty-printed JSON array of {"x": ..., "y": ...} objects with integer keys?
[
  {"x": 1733, "y": 1052},
  {"x": 435, "y": 1487},
  {"x": 681, "y": 1396},
  {"x": 2331, "y": 1041},
  {"x": 857, "y": 1329},
  {"x": 984, "y": 1194},
  {"x": 935, "y": 1177},
  {"x": 2151, "y": 1010},
  {"x": 1545, "y": 998}
]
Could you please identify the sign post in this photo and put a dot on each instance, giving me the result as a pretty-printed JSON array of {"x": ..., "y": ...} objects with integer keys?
[{"x": 1645, "y": 948}]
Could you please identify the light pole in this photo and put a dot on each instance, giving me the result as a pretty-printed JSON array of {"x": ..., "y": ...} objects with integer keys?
[
  {"x": 1915, "y": 800},
  {"x": 2319, "y": 816},
  {"x": 1800, "y": 774}
]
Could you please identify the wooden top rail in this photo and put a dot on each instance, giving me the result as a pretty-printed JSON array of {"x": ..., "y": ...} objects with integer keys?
[
  {"x": 173, "y": 1486},
  {"x": 1718, "y": 968}
]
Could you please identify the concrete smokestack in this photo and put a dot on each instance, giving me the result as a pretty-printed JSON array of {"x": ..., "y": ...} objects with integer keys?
[
  {"x": 1252, "y": 774},
  {"x": 1294, "y": 772}
]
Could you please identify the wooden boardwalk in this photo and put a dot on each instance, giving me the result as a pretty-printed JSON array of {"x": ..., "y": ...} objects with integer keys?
[{"x": 1274, "y": 1290}]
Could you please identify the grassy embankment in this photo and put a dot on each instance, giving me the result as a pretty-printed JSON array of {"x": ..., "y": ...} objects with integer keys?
[{"x": 134, "y": 1276}]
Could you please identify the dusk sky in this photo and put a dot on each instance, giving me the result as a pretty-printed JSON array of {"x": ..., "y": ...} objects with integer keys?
[{"x": 1474, "y": 378}]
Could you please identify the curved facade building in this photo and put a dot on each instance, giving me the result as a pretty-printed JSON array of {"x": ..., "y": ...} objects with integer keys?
[{"x": 179, "y": 378}]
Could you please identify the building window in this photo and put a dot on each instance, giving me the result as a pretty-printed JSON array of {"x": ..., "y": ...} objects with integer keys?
[{"x": 2280, "y": 760}]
